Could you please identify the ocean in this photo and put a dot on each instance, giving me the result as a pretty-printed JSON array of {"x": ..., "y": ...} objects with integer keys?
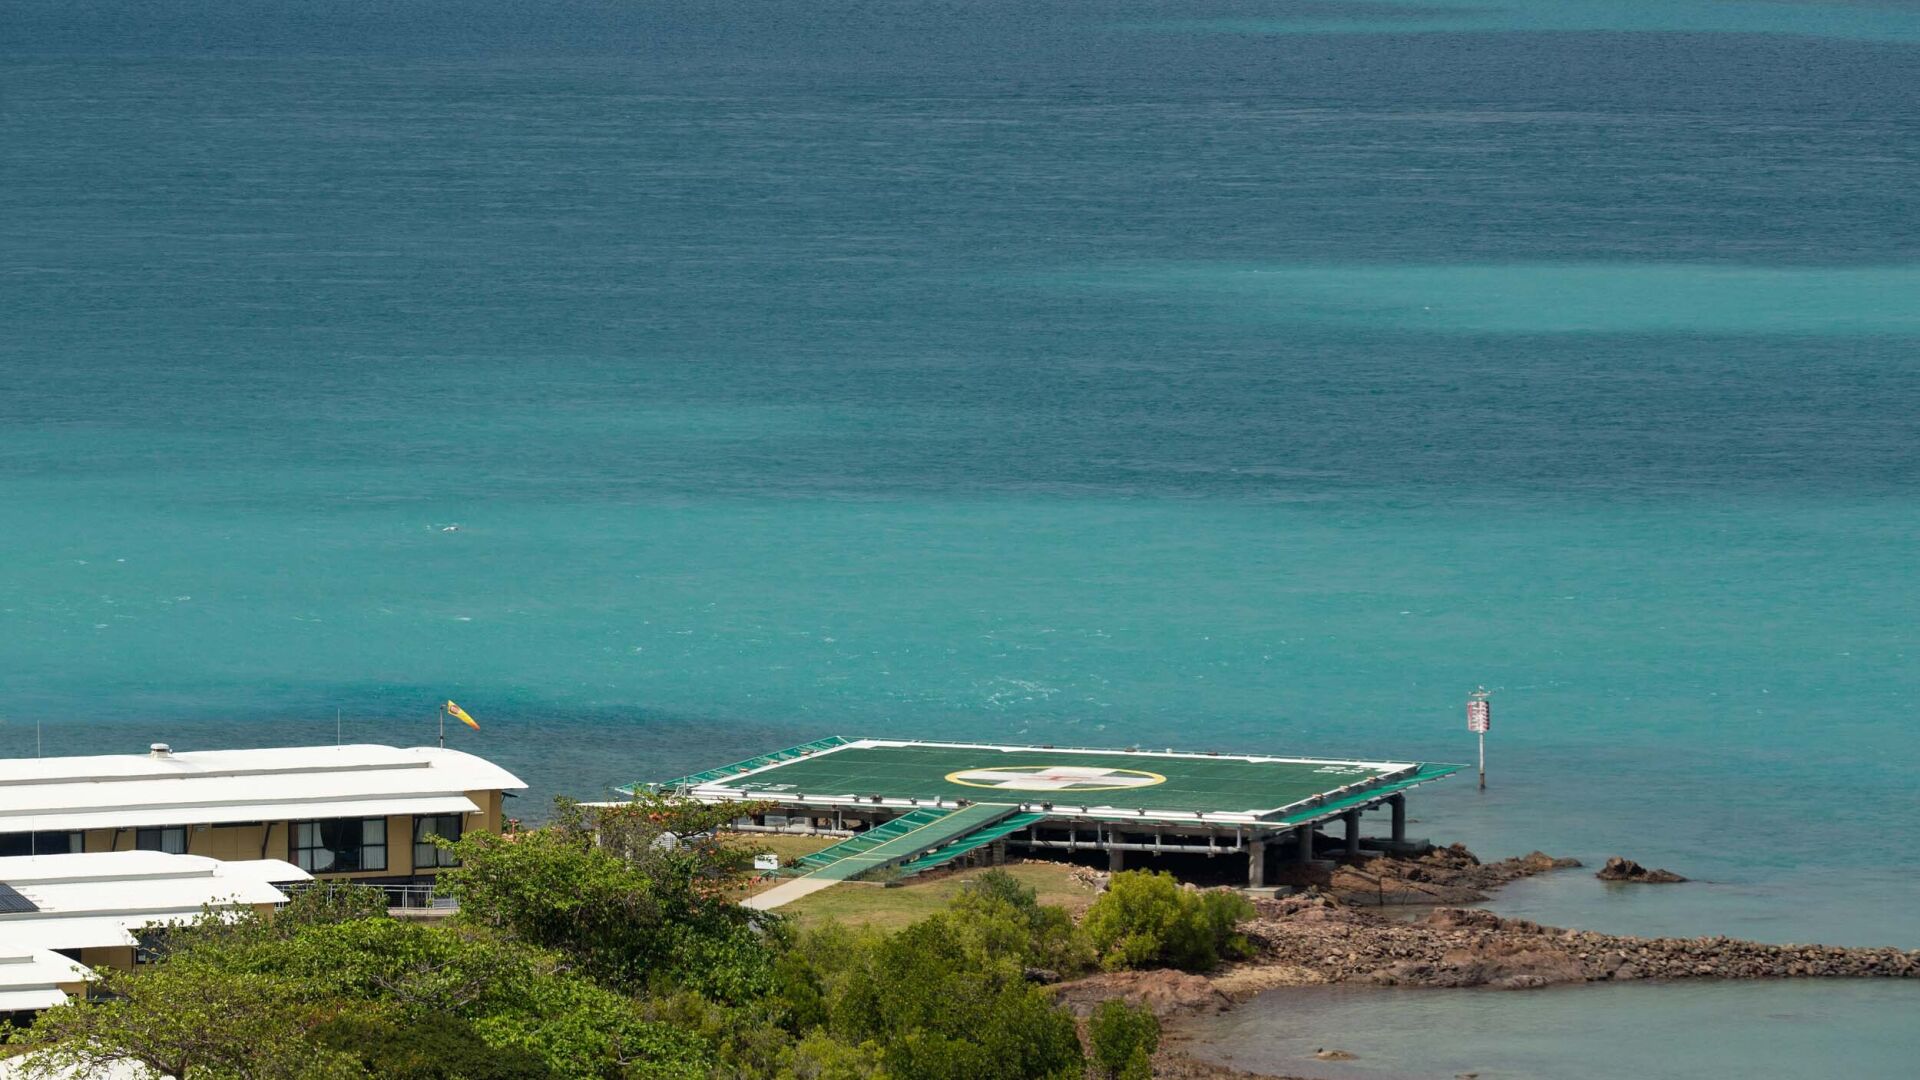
[{"x": 667, "y": 382}]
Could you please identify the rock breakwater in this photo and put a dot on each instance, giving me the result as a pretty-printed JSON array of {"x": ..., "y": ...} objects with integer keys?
[{"x": 1317, "y": 938}]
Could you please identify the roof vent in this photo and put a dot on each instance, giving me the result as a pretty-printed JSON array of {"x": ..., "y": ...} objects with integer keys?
[{"x": 160, "y": 749}]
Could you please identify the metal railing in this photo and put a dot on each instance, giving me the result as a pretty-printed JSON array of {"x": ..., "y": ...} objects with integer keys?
[
  {"x": 399, "y": 897},
  {"x": 419, "y": 898}
]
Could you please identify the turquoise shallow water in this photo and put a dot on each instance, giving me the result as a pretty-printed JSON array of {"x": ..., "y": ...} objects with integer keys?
[
  {"x": 1045, "y": 371},
  {"x": 1676, "y": 1031}
]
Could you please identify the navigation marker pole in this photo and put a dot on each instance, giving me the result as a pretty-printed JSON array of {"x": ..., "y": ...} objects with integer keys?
[
  {"x": 1479, "y": 719},
  {"x": 443, "y": 734}
]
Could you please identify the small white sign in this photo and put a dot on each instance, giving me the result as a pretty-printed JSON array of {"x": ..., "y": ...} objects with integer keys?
[
  {"x": 766, "y": 862},
  {"x": 1479, "y": 717}
]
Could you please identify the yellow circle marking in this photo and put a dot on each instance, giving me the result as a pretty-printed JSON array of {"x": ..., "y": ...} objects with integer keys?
[{"x": 1152, "y": 778}]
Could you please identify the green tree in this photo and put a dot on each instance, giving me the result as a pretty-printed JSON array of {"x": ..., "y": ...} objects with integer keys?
[
  {"x": 820, "y": 1056},
  {"x": 1123, "y": 1039},
  {"x": 1000, "y": 917},
  {"x": 939, "y": 1010},
  {"x": 187, "y": 1023},
  {"x": 426, "y": 1047},
  {"x": 1146, "y": 919},
  {"x": 637, "y": 895},
  {"x": 516, "y": 997},
  {"x": 256, "y": 998}
]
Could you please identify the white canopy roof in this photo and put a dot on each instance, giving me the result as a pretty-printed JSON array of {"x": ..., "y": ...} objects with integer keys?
[
  {"x": 33, "y": 981},
  {"x": 23, "y": 1065},
  {"x": 88, "y": 901},
  {"x": 212, "y": 787}
]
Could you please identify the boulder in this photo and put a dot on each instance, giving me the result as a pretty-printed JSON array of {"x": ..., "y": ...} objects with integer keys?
[
  {"x": 1166, "y": 992},
  {"x": 1619, "y": 869}
]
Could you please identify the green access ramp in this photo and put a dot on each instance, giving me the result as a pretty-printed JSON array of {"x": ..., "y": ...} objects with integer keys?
[
  {"x": 917, "y": 841},
  {"x": 1330, "y": 806},
  {"x": 725, "y": 772},
  {"x": 870, "y": 838},
  {"x": 967, "y": 844}
]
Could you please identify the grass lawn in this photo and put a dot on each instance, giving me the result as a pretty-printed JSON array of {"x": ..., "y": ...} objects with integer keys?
[
  {"x": 789, "y": 846},
  {"x": 857, "y": 904}
]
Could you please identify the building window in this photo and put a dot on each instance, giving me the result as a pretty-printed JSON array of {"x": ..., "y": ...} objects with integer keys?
[
  {"x": 425, "y": 828},
  {"x": 46, "y": 843},
  {"x": 340, "y": 845},
  {"x": 173, "y": 841},
  {"x": 150, "y": 945}
]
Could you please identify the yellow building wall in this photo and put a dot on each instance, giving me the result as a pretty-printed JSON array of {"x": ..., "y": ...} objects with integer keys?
[
  {"x": 274, "y": 840},
  {"x": 229, "y": 843},
  {"x": 119, "y": 957}
]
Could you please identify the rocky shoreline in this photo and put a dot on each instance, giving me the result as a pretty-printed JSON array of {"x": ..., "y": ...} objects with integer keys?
[
  {"x": 1449, "y": 875},
  {"x": 1335, "y": 932},
  {"x": 1316, "y": 939}
]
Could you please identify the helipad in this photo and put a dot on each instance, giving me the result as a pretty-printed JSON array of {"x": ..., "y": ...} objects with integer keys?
[
  {"x": 907, "y": 807},
  {"x": 1067, "y": 781}
]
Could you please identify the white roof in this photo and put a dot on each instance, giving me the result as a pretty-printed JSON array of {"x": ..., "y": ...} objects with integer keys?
[
  {"x": 21, "y": 1065},
  {"x": 45, "y": 997},
  {"x": 33, "y": 981},
  {"x": 88, "y": 901},
  {"x": 209, "y": 787}
]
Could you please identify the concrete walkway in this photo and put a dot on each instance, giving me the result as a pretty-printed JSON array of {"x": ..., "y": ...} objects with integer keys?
[{"x": 787, "y": 892}]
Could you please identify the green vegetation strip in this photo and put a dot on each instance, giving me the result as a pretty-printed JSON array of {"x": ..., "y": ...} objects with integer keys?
[
  {"x": 1335, "y": 805},
  {"x": 725, "y": 771}
]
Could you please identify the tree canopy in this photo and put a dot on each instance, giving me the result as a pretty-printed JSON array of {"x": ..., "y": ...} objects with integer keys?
[{"x": 607, "y": 946}]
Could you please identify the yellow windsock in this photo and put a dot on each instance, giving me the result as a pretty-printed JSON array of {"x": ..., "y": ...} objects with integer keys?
[{"x": 461, "y": 714}]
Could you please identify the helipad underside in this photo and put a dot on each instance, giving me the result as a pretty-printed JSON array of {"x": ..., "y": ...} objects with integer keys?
[{"x": 1150, "y": 781}]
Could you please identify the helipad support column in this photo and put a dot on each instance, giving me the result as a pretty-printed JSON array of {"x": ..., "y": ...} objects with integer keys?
[
  {"x": 1256, "y": 864},
  {"x": 1399, "y": 805},
  {"x": 1353, "y": 833},
  {"x": 1303, "y": 844},
  {"x": 1116, "y": 860}
]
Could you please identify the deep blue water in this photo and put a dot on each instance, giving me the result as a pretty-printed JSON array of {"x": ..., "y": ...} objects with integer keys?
[{"x": 1245, "y": 375}]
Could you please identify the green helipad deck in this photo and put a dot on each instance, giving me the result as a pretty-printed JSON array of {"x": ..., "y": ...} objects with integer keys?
[{"x": 1065, "y": 782}]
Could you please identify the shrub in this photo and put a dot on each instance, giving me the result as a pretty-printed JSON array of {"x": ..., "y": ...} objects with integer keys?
[
  {"x": 1145, "y": 919},
  {"x": 820, "y": 1056},
  {"x": 435, "y": 1047},
  {"x": 940, "y": 1011},
  {"x": 1124, "y": 1039},
  {"x": 1001, "y": 918}
]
